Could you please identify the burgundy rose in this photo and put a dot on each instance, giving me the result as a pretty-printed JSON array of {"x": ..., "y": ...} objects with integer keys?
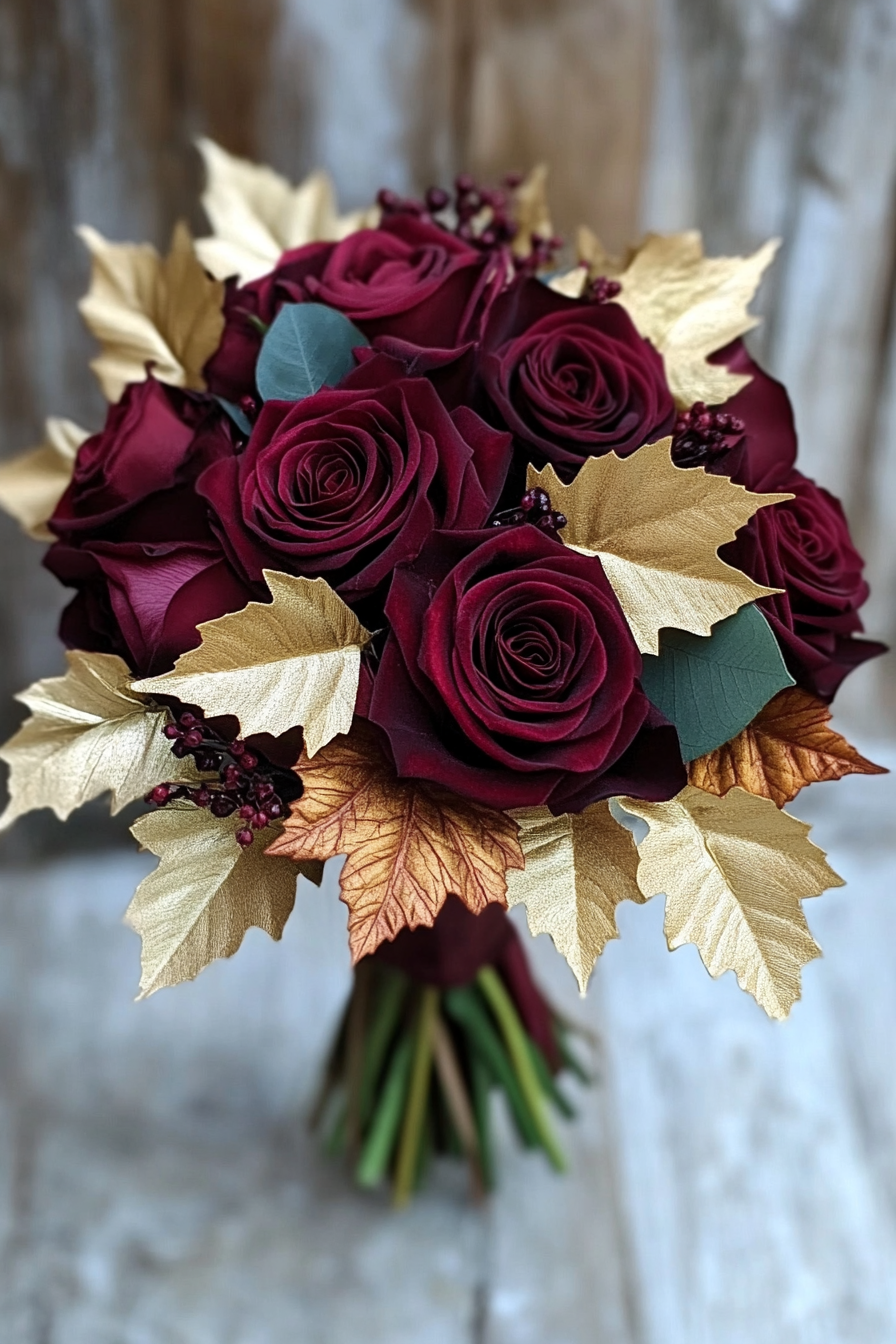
[
  {"x": 803, "y": 546},
  {"x": 348, "y": 483},
  {"x": 134, "y": 538},
  {"x": 572, "y": 379},
  {"x": 408, "y": 282},
  {"x": 764, "y": 454},
  {"x": 511, "y": 676}
]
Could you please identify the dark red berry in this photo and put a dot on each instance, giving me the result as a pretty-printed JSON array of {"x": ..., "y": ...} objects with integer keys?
[
  {"x": 222, "y": 806},
  {"x": 193, "y": 738},
  {"x": 247, "y": 811},
  {"x": 159, "y": 795},
  {"x": 274, "y": 809},
  {"x": 248, "y": 761},
  {"x": 171, "y": 731},
  {"x": 244, "y": 839},
  {"x": 259, "y": 821},
  {"x": 437, "y": 199}
]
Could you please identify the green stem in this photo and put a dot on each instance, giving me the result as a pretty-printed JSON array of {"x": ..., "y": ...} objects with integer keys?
[
  {"x": 518, "y": 1048},
  {"x": 467, "y": 1009},
  {"x": 387, "y": 1117},
  {"x": 415, "y": 1110},
  {"x": 387, "y": 1008},
  {"x": 548, "y": 1083},
  {"x": 481, "y": 1097}
]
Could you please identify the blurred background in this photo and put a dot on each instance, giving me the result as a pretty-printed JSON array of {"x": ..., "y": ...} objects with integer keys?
[{"x": 732, "y": 1180}]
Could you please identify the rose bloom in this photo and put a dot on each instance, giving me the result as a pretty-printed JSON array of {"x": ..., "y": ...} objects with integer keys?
[
  {"x": 510, "y": 676},
  {"x": 349, "y": 483},
  {"x": 408, "y": 281},
  {"x": 133, "y": 535},
  {"x": 572, "y": 379},
  {"x": 803, "y": 546}
]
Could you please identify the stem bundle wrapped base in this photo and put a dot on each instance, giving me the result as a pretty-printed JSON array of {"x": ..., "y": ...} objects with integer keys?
[{"x": 413, "y": 1069}]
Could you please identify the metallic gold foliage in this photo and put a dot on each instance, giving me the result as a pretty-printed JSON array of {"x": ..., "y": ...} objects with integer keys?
[
  {"x": 144, "y": 308},
  {"x": 657, "y": 529},
  {"x": 787, "y": 746},
  {"x": 734, "y": 871},
  {"x": 88, "y": 734},
  {"x": 686, "y": 304},
  {"x": 256, "y": 215},
  {"x": 409, "y": 844},
  {"x": 578, "y": 869},
  {"x": 276, "y": 665},
  {"x": 205, "y": 894},
  {"x": 570, "y": 283},
  {"x": 32, "y": 484},
  {"x": 529, "y": 207}
]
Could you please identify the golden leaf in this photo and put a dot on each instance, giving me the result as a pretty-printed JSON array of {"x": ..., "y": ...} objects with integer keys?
[
  {"x": 409, "y": 844},
  {"x": 570, "y": 283},
  {"x": 88, "y": 734},
  {"x": 256, "y": 215},
  {"x": 657, "y": 529},
  {"x": 530, "y": 210},
  {"x": 145, "y": 308},
  {"x": 276, "y": 665},
  {"x": 32, "y": 484},
  {"x": 734, "y": 871},
  {"x": 578, "y": 869},
  {"x": 787, "y": 746},
  {"x": 688, "y": 305},
  {"x": 205, "y": 894}
]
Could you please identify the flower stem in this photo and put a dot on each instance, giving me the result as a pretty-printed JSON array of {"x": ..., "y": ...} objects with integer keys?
[{"x": 415, "y": 1111}]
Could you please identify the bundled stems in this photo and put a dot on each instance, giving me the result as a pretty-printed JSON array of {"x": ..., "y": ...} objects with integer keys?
[{"x": 413, "y": 1070}]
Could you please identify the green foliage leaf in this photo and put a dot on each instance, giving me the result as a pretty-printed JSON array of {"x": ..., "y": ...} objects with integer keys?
[
  {"x": 712, "y": 686},
  {"x": 308, "y": 346}
]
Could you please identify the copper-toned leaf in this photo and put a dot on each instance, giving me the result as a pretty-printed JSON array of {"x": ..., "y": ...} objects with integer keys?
[
  {"x": 276, "y": 665},
  {"x": 734, "y": 871},
  {"x": 578, "y": 869},
  {"x": 657, "y": 529},
  {"x": 32, "y": 484},
  {"x": 88, "y": 734},
  {"x": 686, "y": 304},
  {"x": 409, "y": 844},
  {"x": 205, "y": 894},
  {"x": 787, "y": 746},
  {"x": 256, "y": 215},
  {"x": 144, "y": 308}
]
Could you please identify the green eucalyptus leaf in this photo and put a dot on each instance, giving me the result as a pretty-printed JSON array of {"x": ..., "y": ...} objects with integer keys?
[
  {"x": 712, "y": 686},
  {"x": 308, "y": 346},
  {"x": 237, "y": 415}
]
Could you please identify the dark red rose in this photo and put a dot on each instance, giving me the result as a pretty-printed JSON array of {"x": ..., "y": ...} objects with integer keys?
[
  {"x": 408, "y": 282},
  {"x": 511, "y": 676},
  {"x": 134, "y": 538},
  {"x": 348, "y": 483},
  {"x": 572, "y": 379},
  {"x": 803, "y": 546}
]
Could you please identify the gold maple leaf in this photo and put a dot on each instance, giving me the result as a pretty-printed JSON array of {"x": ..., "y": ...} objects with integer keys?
[
  {"x": 578, "y": 869},
  {"x": 145, "y": 308},
  {"x": 734, "y": 871},
  {"x": 409, "y": 843},
  {"x": 657, "y": 529},
  {"x": 256, "y": 215},
  {"x": 787, "y": 746},
  {"x": 32, "y": 484},
  {"x": 687, "y": 305},
  {"x": 276, "y": 665},
  {"x": 88, "y": 734},
  {"x": 530, "y": 210},
  {"x": 205, "y": 894}
]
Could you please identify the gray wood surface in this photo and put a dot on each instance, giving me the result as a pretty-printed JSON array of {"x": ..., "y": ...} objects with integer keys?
[{"x": 731, "y": 1179}]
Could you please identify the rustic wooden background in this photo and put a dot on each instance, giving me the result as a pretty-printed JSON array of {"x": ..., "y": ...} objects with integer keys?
[{"x": 732, "y": 1180}]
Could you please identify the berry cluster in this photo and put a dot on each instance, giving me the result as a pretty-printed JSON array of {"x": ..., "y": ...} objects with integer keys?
[
  {"x": 701, "y": 435},
  {"x": 480, "y": 216},
  {"x": 247, "y": 785},
  {"x": 535, "y": 508},
  {"x": 603, "y": 289}
]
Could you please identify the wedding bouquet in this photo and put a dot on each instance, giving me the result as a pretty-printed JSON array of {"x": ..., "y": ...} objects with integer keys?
[{"x": 401, "y": 542}]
